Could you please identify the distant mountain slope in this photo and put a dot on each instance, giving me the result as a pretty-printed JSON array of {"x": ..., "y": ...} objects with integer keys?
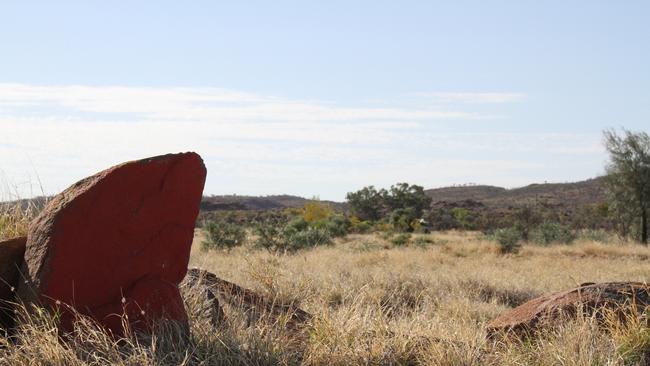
[
  {"x": 462, "y": 193},
  {"x": 234, "y": 202},
  {"x": 582, "y": 193},
  {"x": 568, "y": 195}
]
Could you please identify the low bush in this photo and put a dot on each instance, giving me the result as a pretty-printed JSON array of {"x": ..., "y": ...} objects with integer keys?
[
  {"x": 423, "y": 241},
  {"x": 315, "y": 210},
  {"x": 362, "y": 227},
  {"x": 296, "y": 224},
  {"x": 401, "y": 239},
  {"x": 599, "y": 235},
  {"x": 335, "y": 225},
  {"x": 552, "y": 232},
  {"x": 222, "y": 235},
  {"x": 508, "y": 240},
  {"x": 307, "y": 239},
  {"x": 290, "y": 238},
  {"x": 269, "y": 237},
  {"x": 402, "y": 219},
  {"x": 383, "y": 227}
]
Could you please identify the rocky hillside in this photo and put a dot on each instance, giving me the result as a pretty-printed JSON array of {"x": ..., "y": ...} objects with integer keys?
[
  {"x": 257, "y": 203},
  {"x": 576, "y": 194}
]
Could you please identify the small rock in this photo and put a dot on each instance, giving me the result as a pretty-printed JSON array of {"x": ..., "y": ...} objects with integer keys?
[
  {"x": 201, "y": 299},
  {"x": 251, "y": 302},
  {"x": 548, "y": 310}
]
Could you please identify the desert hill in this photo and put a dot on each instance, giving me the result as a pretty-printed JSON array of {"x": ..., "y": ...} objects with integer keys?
[
  {"x": 257, "y": 203},
  {"x": 570, "y": 195},
  {"x": 583, "y": 193}
]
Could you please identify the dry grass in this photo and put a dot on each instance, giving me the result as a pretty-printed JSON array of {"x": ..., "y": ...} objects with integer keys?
[
  {"x": 16, "y": 214},
  {"x": 375, "y": 304},
  {"x": 15, "y": 219}
]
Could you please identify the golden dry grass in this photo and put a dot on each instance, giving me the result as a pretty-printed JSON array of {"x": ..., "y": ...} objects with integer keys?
[
  {"x": 378, "y": 304},
  {"x": 374, "y": 304},
  {"x": 15, "y": 219}
]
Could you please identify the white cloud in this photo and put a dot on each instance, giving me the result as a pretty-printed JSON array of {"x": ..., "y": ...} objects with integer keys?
[
  {"x": 254, "y": 144},
  {"x": 473, "y": 97},
  {"x": 216, "y": 105}
]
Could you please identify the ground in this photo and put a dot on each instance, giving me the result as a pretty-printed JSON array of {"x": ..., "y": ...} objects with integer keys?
[
  {"x": 373, "y": 303},
  {"x": 429, "y": 303}
]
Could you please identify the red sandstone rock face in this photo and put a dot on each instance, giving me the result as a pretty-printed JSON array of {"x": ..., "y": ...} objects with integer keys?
[
  {"x": 117, "y": 242},
  {"x": 549, "y": 309},
  {"x": 11, "y": 258}
]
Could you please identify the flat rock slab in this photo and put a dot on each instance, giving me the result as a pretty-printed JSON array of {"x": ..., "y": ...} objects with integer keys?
[
  {"x": 117, "y": 243},
  {"x": 551, "y": 308}
]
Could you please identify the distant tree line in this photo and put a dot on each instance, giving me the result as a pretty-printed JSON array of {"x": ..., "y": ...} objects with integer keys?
[{"x": 406, "y": 208}]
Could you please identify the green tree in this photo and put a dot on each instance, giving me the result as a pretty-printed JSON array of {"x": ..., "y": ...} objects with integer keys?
[
  {"x": 402, "y": 219},
  {"x": 367, "y": 203},
  {"x": 628, "y": 179},
  {"x": 404, "y": 195}
]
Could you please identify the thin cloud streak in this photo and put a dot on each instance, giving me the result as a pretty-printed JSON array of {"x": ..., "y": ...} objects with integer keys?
[
  {"x": 473, "y": 97},
  {"x": 204, "y": 104}
]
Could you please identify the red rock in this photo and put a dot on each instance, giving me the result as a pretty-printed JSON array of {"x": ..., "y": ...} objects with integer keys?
[
  {"x": 117, "y": 242},
  {"x": 550, "y": 309},
  {"x": 11, "y": 258}
]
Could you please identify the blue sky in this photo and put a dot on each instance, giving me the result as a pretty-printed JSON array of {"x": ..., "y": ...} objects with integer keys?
[{"x": 320, "y": 98}]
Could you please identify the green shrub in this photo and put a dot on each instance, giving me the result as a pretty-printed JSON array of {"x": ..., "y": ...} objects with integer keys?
[
  {"x": 297, "y": 224},
  {"x": 401, "y": 239},
  {"x": 336, "y": 225},
  {"x": 422, "y": 241},
  {"x": 382, "y": 227},
  {"x": 307, "y": 239},
  {"x": 290, "y": 238},
  {"x": 599, "y": 235},
  {"x": 402, "y": 219},
  {"x": 269, "y": 237},
  {"x": 362, "y": 227},
  {"x": 552, "y": 232},
  {"x": 508, "y": 239},
  {"x": 464, "y": 217},
  {"x": 222, "y": 235}
]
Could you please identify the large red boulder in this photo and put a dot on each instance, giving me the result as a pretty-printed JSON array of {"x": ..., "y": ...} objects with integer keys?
[{"x": 117, "y": 243}]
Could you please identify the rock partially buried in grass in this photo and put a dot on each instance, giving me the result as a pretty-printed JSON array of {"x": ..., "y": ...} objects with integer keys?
[
  {"x": 252, "y": 303},
  {"x": 11, "y": 258},
  {"x": 202, "y": 299},
  {"x": 551, "y": 309},
  {"x": 117, "y": 243}
]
